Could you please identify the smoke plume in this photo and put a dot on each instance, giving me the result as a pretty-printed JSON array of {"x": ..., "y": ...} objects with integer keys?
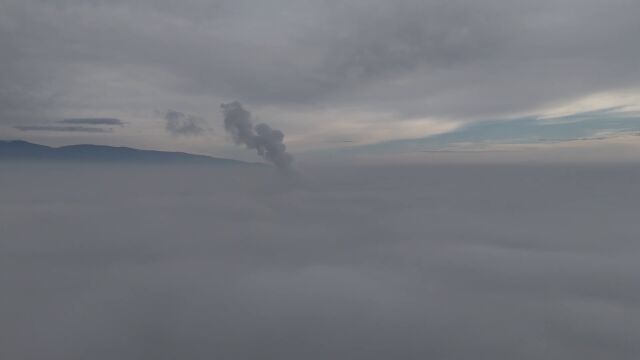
[{"x": 267, "y": 141}]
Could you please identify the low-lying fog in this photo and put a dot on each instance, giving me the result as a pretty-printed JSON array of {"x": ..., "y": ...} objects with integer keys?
[{"x": 369, "y": 262}]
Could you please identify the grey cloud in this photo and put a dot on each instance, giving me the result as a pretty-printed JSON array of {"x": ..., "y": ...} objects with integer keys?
[
  {"x": 85, "y": 129},
  {"x": 379, "y": 262},
  {"x": 92, "y": 121},
  {"x": 451, "y": 58},
  {"x": 179, "y": 123}
]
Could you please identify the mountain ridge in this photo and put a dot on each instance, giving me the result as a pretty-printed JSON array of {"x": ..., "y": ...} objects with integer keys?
[{"x": 20, "y": 150}]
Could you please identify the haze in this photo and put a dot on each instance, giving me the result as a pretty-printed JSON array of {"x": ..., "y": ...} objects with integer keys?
[{"x": 319, "y": 179}]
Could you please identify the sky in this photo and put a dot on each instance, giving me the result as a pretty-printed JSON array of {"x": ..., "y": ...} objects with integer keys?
[
  {"x": 328, "y": 74},
  {"x": 348, "y": 262}
]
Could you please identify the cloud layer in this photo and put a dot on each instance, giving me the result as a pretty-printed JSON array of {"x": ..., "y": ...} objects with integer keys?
[
  {"x": 437, "y": 262},
  {"x": 463, "y": 59}
]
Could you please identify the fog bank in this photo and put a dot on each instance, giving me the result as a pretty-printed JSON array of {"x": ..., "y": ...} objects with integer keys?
[{"x": 368, "y": 262}]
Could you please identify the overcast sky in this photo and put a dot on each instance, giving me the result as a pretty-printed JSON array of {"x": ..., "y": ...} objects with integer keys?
[{"x": 323, "y": 71}]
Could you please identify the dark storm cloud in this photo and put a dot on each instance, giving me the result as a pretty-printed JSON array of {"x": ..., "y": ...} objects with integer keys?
[
  {"x": 386, "y": 262},
  {"x": 465, "y": 58},
  {"x": 92, "y": 121},
  {"x": 179, "y": 123},
  {"x": 85, "y": 129}
]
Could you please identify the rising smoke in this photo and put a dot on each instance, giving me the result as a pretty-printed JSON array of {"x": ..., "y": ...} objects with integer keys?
[{"x": 267, "y": 141}]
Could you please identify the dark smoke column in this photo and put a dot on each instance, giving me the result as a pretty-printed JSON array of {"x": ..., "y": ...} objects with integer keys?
[{"x": 267, "y": 141}]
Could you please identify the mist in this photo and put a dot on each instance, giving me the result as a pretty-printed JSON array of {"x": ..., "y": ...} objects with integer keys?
[{"x": 353, "y": 262}]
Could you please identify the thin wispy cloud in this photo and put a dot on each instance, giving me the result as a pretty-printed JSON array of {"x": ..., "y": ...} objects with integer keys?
[
  {"x": 81, "y": 129},
  {"x": 92, "y": 121}
]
